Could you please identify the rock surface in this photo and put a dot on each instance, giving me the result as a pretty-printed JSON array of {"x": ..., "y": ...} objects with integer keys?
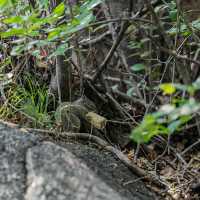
[{"x": 32, "y": 168}]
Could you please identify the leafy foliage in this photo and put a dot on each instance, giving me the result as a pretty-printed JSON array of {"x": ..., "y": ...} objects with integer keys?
[
  {"x": 32, "y": 30},
  {"x": 31, "y": 100},
  {"x": 170, "y": 118},
  {"x": 29, "y": 30}
]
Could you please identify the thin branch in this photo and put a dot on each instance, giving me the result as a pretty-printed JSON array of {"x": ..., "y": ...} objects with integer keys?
[
  {"x": 114, "y": 47},
  {"x": 178, "y": 56},
  {"x": 158, "y": 23},
  {"x": 190, "y": 147}
]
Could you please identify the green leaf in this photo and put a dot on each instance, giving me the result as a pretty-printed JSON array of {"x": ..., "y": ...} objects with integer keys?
[
  {"x": 41, "y": 43},
  {"x": 93, "y": 4},
  {"x": 173, "y": 126},
  {"x": 54, "y": 34},
  {"x": 184, "y": 119},
  {"x": 173, "y": 15},
  {"x": 59, "y": 10},
  {"x": 17, "y": 50},
  {"x": 196, "y": 24},
  {"x": 60, "y": 50},
  {"x": 196, "y": 84},
  {"x": 138, "y": 67},
  {"x": 149, "y": 119},
  {"x": 190, "y": 107},
  {"x": 75, "y": 22},
  {"x": 36, "y": 53},
  {"x": 4, "y": 4},
  {"x": 115, "y": 87},
  {"x": 13, "y": 20},
  {"x": 181, "y": 87},
  {"x": 89, "y": 5},
  {"x": 84, "y": 21},
  {"x": 144, "y": 134},
  {"x": 86, "y": 18},
  {"x": 13, "y": 32},
  {"x": 131, "y": 91},
  {"x": 33, "y": 33},
  {"x": 168, "y": 88},
  {"x": 191, "y": 89}
]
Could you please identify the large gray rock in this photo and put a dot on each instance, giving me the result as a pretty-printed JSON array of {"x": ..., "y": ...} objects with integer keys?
[
  {"x": 55, "y": 173},
  {"x": 32, "y": 168}
]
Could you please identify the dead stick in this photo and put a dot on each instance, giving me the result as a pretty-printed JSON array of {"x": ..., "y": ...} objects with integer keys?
[{"x": 114, "y": 47}]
